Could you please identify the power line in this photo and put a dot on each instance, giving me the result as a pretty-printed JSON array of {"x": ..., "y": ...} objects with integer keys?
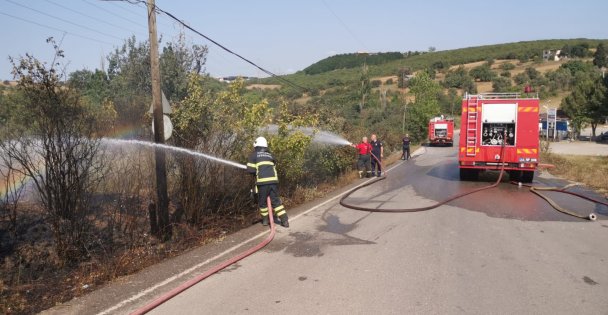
[
  {"x": 344, "y": 25},
  {"x": 268, "y": 72},
  {"x": 145, "y": 12},
  {"x": 112, "y": 13},
  {"x": 54, "y": 28},
  {"x": 89, "y": 16},
  {"x": 63, "y": 20}
]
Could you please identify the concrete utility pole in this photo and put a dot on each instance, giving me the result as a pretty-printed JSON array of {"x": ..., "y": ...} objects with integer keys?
[{"x": 162, "y": 206}]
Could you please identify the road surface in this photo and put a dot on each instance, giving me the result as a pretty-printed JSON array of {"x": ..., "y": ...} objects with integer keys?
[{"x": 500, "y": 251}]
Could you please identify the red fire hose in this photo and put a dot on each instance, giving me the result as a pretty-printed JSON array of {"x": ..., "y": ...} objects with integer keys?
[
  {"x": 537, "y": 190},
  {"x": 534, "y": 189},
  {"x": 184, "y": 286},
  {"x": 355, "y": 207}
]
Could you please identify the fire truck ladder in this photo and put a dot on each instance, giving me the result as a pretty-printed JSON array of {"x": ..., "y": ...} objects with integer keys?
[{"x": 471, "y": 127}]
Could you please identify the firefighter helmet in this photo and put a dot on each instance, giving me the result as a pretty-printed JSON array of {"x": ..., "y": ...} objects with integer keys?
[{"x": 260, "y": 142}]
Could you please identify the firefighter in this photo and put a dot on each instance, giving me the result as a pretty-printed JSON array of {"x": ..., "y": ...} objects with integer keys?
[
  {"x": 364, "y": 149},
  {"x": 378, "y": 153},
  {"x": 261, "y": 164},
  {"x": 406, "y": 147}
]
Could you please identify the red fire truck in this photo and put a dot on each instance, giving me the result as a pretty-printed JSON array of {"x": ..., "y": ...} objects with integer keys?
[
  {"x": 491, "y": 121},
  {"x": 441, "y": 131}
]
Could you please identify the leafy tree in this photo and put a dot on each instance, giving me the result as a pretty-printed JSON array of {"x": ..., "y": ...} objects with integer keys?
[
  {"x": 532, "y": 73},
  {"x": 507, "y": 66},
  {"x": 456, "y": 78},
  {"x": 401, "y": 77},
  {"x": 52, "y": 139},
  {"x": 521, "y": 78},
  {"x": 425, "y": 106},
  {"x": 469, "y": 86},
  {"x": 505, "y": 74},
  {"x": 482, "y": 73},
  {"x": 588, "y": 103},
  {"x": 501, "y": 84},
  {"x": 365, "y": 86},
  {"x": 600, "y": 57}
]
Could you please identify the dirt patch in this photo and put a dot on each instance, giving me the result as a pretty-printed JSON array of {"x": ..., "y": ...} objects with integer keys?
[{"x": 263, "y": 86}]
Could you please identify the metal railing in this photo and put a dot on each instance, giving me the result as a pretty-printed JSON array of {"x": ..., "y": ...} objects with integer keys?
[{"x": 492, "y": 95}]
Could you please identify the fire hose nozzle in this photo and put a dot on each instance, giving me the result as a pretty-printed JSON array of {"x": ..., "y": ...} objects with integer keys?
[{"x": 592, "y": 217}]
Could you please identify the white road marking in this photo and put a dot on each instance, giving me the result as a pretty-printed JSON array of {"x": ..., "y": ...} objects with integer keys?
[{"x": 231, "y": 249}]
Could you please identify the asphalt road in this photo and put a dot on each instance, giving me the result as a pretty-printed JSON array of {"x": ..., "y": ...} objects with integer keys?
[{"x": 500, "y": 251}]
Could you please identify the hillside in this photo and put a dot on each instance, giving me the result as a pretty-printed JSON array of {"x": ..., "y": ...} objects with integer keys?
[
  {"x": 519, "y": 51},
  {"x": 345, "y": 69}
]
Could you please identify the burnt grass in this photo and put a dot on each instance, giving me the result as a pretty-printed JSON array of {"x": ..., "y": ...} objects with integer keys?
[{"x": 33, "y": 278}]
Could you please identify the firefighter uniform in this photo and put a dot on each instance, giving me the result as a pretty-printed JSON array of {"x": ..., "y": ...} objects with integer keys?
[
  {"x": 406, "y": 148},
  {"x": 376, "y": 162},
  {"x": 262, "y": 164}
]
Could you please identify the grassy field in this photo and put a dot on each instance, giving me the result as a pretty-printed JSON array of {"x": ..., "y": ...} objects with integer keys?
[{"x": 589, "y": 170}]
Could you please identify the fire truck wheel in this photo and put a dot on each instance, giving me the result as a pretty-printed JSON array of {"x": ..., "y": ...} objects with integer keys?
[
  {"x": 527, "y": 176},
  {"x": 469, "y": 174},
  {"x": 514, "y": 175}
]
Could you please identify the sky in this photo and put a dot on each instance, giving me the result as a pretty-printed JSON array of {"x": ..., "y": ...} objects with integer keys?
[{"x": 285, "y": 36}]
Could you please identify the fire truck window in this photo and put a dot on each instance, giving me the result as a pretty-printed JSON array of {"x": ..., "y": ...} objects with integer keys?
[{"x": 494, "y": 134}]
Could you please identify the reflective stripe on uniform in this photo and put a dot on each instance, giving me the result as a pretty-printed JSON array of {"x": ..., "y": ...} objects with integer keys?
[
  {"x": 267, "y": 179},
  {"x": 264, "y": 163},
  {"x": 264, "y": 212},
  {"x": 280, "y": 210}
]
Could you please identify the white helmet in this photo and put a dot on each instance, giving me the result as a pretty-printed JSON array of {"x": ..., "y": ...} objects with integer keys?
[{"x": 260, "y": 142}]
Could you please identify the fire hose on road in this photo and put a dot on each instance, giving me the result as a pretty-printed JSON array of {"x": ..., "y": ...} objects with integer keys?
[
  {"x": 537, "y": 191},
  {"x": 534, "y": 189},
  {"x": 433, "y": 206},
  {"x": 184, "y": 286}
]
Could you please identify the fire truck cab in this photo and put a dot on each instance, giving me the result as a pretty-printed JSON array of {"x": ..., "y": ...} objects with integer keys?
[
  {"x": 499, "y": 129},
  {"x": 441, "y": 131}
]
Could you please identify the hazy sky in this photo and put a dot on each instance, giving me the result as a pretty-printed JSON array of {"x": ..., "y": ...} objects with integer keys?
[{"x": 287, "y": 35}]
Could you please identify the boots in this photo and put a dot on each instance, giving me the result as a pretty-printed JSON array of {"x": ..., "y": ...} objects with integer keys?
[
  {"x": 265, "y": 221},
  {"x": 284, "y": 220}
]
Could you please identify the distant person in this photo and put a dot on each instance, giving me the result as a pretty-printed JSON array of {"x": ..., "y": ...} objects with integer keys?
[
  {"x": 363, "y": 163},
  {"x": 378, "y": 152},
  {"x": 406, "y": 147},
  {"x": 261, "y": 164}
]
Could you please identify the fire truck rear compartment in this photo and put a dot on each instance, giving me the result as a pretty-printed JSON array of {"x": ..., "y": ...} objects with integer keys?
[{"x": 494, "y": 134}]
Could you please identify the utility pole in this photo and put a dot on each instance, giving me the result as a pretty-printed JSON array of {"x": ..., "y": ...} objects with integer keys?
[{"x": 162, "y": 206}]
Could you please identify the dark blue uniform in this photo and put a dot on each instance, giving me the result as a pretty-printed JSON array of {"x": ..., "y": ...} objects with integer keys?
[{"x": 377, "y": 152}]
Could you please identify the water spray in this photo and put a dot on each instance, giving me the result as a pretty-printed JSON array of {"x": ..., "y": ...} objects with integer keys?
[
  {"x": 174, "y": 149},
  {"x": 319, "y": 136}
]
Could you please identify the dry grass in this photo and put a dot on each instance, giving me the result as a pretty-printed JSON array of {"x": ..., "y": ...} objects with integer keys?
[
  {"x": 263, "y": 86},
  {"x": 589, "y": 170}
]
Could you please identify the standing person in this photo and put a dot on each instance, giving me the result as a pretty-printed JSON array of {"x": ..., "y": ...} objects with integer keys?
[
  {"x": 406, "y": 147},
  {"x": 378, "y": 152},
  {"x": 261, "y": 164},
  {"x": 364, "y": 149}
]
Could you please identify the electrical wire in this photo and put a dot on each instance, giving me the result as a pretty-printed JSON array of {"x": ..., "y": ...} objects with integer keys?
[
  {"x": 63, "y": 20},
  {"x": 89, "y": 16},
  {"x": 184, "y": 24},
  {"x": 54, "y": 28},
  {"x": 345, "y": 26},
  {"x": 117, "y": 15}
]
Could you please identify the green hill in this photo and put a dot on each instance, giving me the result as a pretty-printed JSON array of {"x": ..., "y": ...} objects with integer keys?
[{"x": 344, "y": 69}]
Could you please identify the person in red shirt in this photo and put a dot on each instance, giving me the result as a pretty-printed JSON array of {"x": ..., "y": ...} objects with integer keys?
[{"x": 364, "y": 149}]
